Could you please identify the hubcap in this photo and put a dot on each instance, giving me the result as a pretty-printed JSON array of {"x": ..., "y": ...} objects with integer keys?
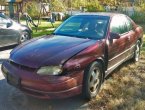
[
  {"x": 137, "y": 53},
  {"x": 24, "y": 37},
  {"x": 94, "y": 80}
]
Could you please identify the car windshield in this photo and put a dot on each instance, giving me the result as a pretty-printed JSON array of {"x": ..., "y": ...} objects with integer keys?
[{"x": 84, "y": 26}]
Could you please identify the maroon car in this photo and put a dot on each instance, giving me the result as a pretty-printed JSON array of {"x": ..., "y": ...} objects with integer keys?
[{"x": 76, "y": 58}]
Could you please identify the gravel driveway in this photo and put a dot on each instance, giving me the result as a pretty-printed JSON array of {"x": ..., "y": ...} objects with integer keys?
[{"x": 13, "y": 99}]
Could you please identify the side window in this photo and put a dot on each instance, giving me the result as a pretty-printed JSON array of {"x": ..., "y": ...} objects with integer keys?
[
  {"x": 129, "y": 24},
  {"x": 119, "y": 24},
  {"x": 114, "y": 26}
]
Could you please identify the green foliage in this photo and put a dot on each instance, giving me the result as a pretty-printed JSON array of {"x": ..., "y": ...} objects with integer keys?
[
  {"x": 2, "y": 1},
  {"x": 142, "y": 6},
  {"x": 78, "y": 3},
  {"x": 138, "y": 17},
  {"x": 32, "y": 9},
  {"x": 111, "y": 2},
  {"x": 66, "y": 17},
  {"x": 94, "y": 7},
  {"x": 57, "y": 5}
]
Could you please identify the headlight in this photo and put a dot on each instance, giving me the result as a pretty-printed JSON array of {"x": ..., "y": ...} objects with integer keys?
[
  {"x": 4, "y": 71},
  {"x": 50, "y": 70}
]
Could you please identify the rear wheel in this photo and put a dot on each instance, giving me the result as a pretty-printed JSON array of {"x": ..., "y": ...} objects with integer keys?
[
  {"x": 24, "y": 37},
  {"x": 92, "y": 80},
  {"x": 137, "y": 52}
]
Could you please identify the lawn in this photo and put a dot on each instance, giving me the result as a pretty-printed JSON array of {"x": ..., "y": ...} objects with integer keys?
[
  {"x": 45, "y": 28},
  {"x": 124, "y": 89}
]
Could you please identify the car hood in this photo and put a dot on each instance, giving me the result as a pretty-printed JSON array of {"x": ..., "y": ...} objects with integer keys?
[
  {"x": 49, "y": 50},
  {"x": 18, "y": 26}
]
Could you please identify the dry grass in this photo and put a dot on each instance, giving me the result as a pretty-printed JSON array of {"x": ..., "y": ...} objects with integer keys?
[{"x": 124, "y": 89}]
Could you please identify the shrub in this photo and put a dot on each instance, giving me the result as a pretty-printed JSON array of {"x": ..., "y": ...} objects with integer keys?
[
  {"x": 32, "y": 9},
  {"x": 138, "y": 16},
  {"x": 66, "y": 17},
  {"x": 95, "y": 7}
]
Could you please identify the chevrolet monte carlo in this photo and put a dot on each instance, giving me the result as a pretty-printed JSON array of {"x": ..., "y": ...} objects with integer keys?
[{"x": 76, "y": 58}]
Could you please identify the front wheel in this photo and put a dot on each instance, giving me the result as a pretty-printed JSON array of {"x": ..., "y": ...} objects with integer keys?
[
  {"x": 24, "y": 37},
  {"x": 92, "y": 80}
]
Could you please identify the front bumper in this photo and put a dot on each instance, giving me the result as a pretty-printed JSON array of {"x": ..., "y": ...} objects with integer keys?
[{"x": 45, "y": 87}]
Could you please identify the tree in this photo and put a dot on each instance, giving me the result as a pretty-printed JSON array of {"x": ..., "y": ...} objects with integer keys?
[
  {"x": 2, "y": 1},
  {"x": 57, "y": 5}
]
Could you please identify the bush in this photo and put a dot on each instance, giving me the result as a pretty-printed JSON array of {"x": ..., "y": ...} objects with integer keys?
[
  {"x": 95, "y": 7},
  {"x": 138, "y": 17},
  {"x": 32, "y": 9},
  {"x": 58, "y": 6},
  {"x": 66, "y": 17},
  {"x": 138, "y": 14}
]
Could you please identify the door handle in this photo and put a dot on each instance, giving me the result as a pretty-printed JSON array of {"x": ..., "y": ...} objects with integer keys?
[{"x": 129, "y": 38}]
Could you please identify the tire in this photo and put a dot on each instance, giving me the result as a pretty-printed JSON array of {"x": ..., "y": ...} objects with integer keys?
[
  {"x": 93, "y": 77},
  {"x": 24, "y": 37},
  {"x": 136, "y": 52}
]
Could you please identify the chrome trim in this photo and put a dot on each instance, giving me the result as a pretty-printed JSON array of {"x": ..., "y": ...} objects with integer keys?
[
  {"x": 25, "y": 89},
  {"x": 121, "y": 53},
  {"x": 109, "y": 70}
]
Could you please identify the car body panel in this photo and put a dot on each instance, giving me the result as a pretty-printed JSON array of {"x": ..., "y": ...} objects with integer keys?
[
  {"x": 84, "y": 58},
  {"x": 9, "y": 36},
  {"x": 116, "y": 48}
]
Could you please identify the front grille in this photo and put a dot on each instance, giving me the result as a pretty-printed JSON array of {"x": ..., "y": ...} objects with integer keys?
[{"x": 22, "y": 66}]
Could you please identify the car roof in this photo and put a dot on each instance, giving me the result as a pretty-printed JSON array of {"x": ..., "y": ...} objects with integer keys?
[{"x": 100, "y": 14}]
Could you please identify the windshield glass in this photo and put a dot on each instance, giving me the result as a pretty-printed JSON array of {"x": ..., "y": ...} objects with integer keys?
[{"x": 84, "y": 26}]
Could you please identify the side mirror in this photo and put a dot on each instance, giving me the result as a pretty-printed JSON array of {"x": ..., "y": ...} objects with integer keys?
[
  {"x": 9, "y": 24},
  {"x": 114, "y": 36}
]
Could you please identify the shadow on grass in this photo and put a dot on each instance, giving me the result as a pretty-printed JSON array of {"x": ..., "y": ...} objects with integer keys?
[{"x": 42, "y": 33}]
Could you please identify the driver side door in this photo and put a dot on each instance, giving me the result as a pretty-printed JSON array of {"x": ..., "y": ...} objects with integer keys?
[{"x": 118, "y": 48}]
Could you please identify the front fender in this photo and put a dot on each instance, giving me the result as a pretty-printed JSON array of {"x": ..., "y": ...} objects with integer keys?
[
  {"x": 85, "y": 57},
  {"x": 26, "y": 28}
]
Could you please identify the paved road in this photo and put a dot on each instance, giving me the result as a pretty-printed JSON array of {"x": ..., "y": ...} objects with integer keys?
[{"x": 13, "y": 99}]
